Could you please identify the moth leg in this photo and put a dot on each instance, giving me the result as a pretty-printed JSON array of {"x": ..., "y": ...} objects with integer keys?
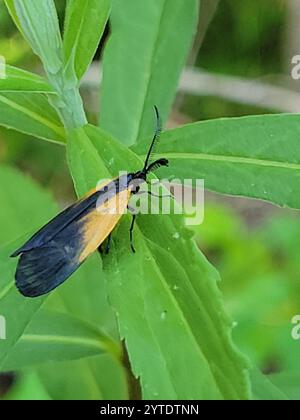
[
  {"x": 131, "y": 233},
  {"x": 107, "y": 246},
  {"x": 108, "y": 243},
  {"x": 159, "y": 196},
  {"x": 131, "y": 209},
  {"x": 155, "y": 195}
]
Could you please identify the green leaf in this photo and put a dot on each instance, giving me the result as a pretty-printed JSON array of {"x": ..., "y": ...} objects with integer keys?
[
  {"x": 32, "y": 114},
  {"x": 156, "y": 35},
  {"x": 80, "y": 149},
  {"x": 21, "y": 314},
  {"x": 253, "y": 156},
  {"x": 288, "y": 382},
  {"x": 28, "y": 387},
  {"x": 18, "y": 80},
  {"x": 175, "y": 323},
  {"x": 85, "y": 297},
  {"x": 264, "y": 389},
  {"x": 24, "y": 205},
  {"x": 94, "y": 308},
  {"x": 13, "y": 13},
  {"x": 84, "y": 25},
  {"x": 96, "y": 378},
  {"x": 57, "y": 337},
  {"x": 17, "y": 310},
  {"x": 40, "y": 26}
]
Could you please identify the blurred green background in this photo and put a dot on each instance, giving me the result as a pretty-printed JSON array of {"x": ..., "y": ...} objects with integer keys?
[{"x": 254, "y": 245}]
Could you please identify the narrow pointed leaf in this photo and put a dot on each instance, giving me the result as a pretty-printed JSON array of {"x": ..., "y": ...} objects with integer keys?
[
  {"x": 57, "y": 337},
  {"x": 39, "y": 23},
  {"x": 156, "y": 35},
  {"x": 18, "y": 80},
  {"x": 13, "y": 13},
  {"x": 32, "y": 114},
  {"x": 84, "y": 25},
  {"x": 257, "y": 156}
]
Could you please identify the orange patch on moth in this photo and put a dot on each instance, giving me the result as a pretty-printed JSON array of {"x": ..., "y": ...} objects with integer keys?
[{"x": 98, "y": 224}]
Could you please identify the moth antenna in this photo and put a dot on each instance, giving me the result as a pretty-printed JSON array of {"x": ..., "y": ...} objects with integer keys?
[{"x": 155, "y": 138}]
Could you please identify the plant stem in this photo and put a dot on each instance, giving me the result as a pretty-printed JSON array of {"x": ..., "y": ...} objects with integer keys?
[{"x": 68, "y": 102}]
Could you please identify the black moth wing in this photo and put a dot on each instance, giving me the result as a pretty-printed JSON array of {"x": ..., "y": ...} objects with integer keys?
[
  {"x": 41, "y": 270},
  {"x": 58, "y": 224},
  {"x": 52, "y": 254}
]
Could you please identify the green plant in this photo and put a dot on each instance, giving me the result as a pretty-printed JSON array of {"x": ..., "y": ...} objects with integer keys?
[{"x": 166, "y": 299}]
